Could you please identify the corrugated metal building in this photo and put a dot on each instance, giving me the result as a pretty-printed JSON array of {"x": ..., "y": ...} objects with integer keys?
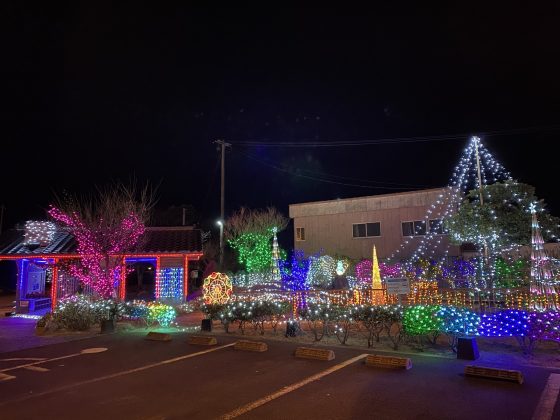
[{"x": 351, "y": 226}]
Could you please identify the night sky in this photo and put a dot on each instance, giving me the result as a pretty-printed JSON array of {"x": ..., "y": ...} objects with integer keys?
[{"x": 94, "y": 94}]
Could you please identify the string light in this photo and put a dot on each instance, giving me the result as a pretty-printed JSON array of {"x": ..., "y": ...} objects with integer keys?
[
  {"x": 163, "y": 314},
  {"x": 507, "y": 323},
  {"x": 254, "y": 251},
  {"x": 542, "y": 281},
  {"x": 217, "y": 288},
  {"x": 294, "y": 273},
  {"x": 169, "y": 283},
  {"x": 38, "y": 232},
  {"x": 341, "y": 267},
  {"x": 458, "y": 321},
  {"x": 463, "y": 179},
  {"x": 321, "y": 271},
  {"x": 96, "y": 266}
]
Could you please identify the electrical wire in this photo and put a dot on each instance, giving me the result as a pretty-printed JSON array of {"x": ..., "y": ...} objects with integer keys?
[
  {"x": 396, "y": 140},
  {"x": 329, "y": 181}
]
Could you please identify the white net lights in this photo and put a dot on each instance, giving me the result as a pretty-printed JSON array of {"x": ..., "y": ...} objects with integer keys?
[{"x": 38, "y": 232}]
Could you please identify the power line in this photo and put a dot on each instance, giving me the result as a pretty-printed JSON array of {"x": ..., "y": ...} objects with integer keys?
[
  {"x": 329, "y": 181},
  {"x": 396, "y": 140},
  {"x": 325, "y": 176},
  {"x": 370, "y": 181}
]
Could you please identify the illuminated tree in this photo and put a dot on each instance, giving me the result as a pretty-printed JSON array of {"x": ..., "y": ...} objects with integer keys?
[
  {"x": 294, "y": 273},
  {"x": 542, "y": 281},
  {"x": 250, "y": 233},
  {"x": 321, "y": 271},
  {"x": 511, "y": 273},
  {"x": 503, "y": 221},
  {"x": 105, "y": 226}
]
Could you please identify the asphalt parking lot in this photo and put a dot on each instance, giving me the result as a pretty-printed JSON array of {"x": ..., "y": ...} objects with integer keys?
[{"x": 139, "y": 379}]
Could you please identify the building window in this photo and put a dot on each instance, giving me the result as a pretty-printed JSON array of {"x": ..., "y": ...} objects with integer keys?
[
  {"x": 420, "y": 227},
  {"x": 407, "y": 228},
  {"x": 366, "y": 230},
  {"x": 436, "y": 227},
  {"x": 300, "y": 234},
  {"x": 414, "y": 228}
]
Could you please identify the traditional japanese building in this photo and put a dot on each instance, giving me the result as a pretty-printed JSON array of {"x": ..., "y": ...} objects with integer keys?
[{"x": 159, "y": 264}]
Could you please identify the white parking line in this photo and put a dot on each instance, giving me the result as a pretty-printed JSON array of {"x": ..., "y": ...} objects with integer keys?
[
  {"x": 85, "y": 351},
  {"x": 255, "y": 404},
  {"x": 36, "y": 368},
  {"x": 549, "y": 396},
  {"x": 114, "y": 375},
  {"x": 5, "y": 377}
]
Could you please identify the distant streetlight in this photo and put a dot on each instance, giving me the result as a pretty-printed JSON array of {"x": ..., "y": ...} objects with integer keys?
[{"x": 221, "y": 225}]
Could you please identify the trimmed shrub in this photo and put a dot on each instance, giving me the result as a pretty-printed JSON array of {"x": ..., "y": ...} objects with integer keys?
[{"x": 422, "y": 320}]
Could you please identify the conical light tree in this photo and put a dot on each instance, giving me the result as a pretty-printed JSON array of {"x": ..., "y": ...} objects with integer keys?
[
  {"x": 375, "y": 273},
  {"x": 541, "y": 271},
  {"x": 275, "y": 269},
  {"x": 378, "y": 296}
]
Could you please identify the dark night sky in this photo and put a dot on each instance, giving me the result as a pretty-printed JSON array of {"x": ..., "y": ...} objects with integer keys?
[{"x": 96, "y": 93}]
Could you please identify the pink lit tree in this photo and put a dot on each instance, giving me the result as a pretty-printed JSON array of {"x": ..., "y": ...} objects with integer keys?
[{"x": 106, "y": 227}]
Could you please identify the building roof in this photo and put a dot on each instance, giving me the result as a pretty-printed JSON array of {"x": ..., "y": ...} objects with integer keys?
[
  {"x": 367, "y": 203},
  {"x": 12, "y": 243},
  {"x": 182, "y": 239},
  {"x": 156, "y": 240}
]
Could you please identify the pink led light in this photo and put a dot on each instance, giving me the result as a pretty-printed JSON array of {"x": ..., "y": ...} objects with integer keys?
[{"x": 97, "y": 246}]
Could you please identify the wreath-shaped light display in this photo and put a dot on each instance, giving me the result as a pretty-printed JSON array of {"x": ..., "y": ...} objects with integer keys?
[{"x": 217, "y": 289}]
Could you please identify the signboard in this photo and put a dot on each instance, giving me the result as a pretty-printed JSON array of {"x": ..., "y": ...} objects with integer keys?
[{"x": 397, "y": 285}]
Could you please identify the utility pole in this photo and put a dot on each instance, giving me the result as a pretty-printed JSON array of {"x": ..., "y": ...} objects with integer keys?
[
  {"x": 2, "y": 207},
  {"x": 223, "y": 145},
  {"x": 476, "y": 140}
]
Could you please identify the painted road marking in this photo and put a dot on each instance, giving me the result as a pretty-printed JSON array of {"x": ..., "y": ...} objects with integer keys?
[
  {"x": 255, "y": 404},
  {"x": 85, "y": 351},
  {"x": 545, "y": 407},
  {"x": 36, "y": 368},
  {"x": 93, "y": 350},
  {"x": 5, "y": 377},
  {"x": 115, "y": 375}
]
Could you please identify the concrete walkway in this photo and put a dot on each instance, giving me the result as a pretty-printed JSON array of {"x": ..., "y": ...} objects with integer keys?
[
  {"x": 19, "y": 334},
  {"x": 6, "y": 304}
]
